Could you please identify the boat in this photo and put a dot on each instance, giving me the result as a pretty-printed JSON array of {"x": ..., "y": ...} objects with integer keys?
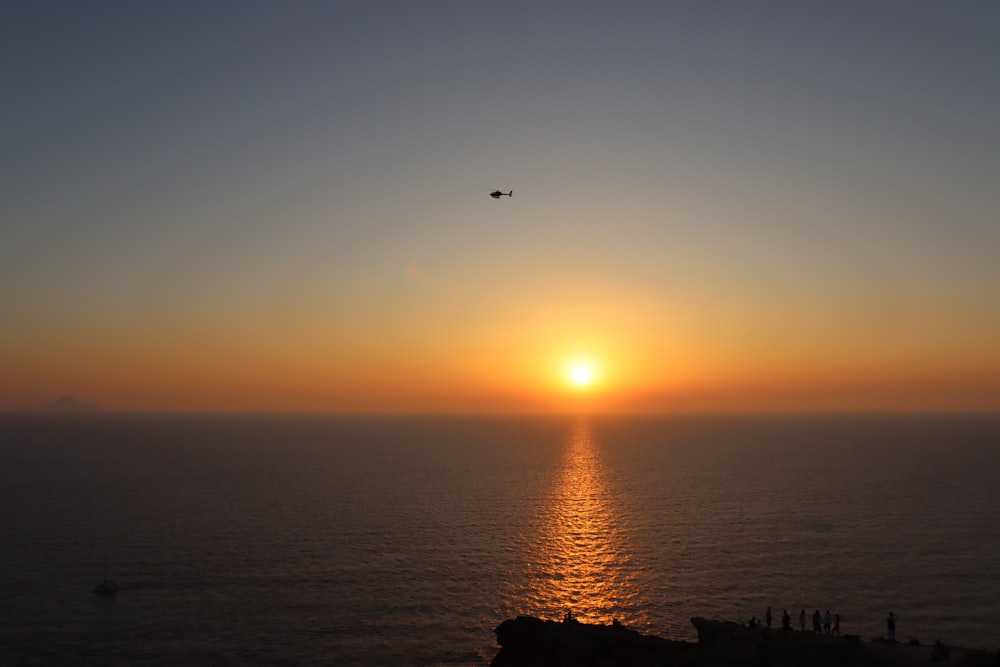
[{"x": 108, "y": 586}]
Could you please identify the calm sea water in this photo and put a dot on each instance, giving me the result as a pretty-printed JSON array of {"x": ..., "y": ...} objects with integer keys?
[{"x": 403, "y": 541}]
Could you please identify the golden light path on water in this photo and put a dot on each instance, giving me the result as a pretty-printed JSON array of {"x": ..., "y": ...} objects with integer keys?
[{"x": 582, "y": 562}]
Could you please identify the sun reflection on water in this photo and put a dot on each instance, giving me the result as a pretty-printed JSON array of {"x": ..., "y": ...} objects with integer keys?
[{"x": 582, "y": 558}]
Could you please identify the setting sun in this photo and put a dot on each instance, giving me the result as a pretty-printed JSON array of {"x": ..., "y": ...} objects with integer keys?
[{"x": 581, "y": 375}]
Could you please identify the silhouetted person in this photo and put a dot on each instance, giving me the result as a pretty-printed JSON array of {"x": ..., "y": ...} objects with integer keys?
[
  {"x": 836, "y": 625},
  {"x": 827, "y": 620},
  {"x": 890, "y": 623},
  {"x": 568, "y": 617},
  {"x": 767, "y": 617},
  {"x": 802, "y": 620},
  {"x": 817, "y": 623},
  {"x": 786, "y": 620}
]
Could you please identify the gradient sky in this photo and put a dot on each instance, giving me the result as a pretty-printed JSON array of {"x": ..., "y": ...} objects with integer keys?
[{"x": 284, "y": 206}]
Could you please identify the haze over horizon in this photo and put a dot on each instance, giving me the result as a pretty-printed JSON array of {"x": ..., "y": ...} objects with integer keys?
[{"x": 716, "y": 206}]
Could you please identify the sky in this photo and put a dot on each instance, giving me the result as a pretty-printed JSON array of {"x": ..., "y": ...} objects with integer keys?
[{"x": 717, "y": 206}]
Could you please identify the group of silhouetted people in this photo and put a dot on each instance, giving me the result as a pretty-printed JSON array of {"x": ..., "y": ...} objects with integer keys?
[{"x": 826, "y": 624}]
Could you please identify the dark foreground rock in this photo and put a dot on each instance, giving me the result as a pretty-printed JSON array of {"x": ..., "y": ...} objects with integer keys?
[{"x": 532, "y": 642}]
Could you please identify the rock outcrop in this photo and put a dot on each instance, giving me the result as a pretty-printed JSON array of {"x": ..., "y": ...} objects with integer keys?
[{"x": 532, "y": 642}]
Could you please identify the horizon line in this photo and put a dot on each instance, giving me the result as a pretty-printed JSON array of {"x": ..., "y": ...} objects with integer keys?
[{"x": 99, "y": 411}]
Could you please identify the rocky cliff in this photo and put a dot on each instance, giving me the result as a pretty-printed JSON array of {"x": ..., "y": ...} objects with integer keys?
[{"x": 532, "y": 642}]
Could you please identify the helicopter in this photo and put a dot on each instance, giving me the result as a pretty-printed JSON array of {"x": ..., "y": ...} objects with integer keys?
[{"x": 496, "y": 194}]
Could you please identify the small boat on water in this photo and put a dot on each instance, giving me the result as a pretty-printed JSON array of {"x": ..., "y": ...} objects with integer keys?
[{"x": 108, "y": 586}]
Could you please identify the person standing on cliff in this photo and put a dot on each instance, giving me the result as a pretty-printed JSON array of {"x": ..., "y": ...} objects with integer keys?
[
  {"x": 817, "y": 623},
  {"x": 890, "y": 623},
  {"x": 802, "y": 620},
  {"x": 786, "y": 621}
]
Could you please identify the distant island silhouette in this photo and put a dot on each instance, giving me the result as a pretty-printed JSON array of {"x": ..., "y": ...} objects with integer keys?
[{"x": 66, "y": 405}]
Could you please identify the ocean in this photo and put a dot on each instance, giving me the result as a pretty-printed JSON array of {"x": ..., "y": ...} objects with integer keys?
[{"x": 294, "y": 540}]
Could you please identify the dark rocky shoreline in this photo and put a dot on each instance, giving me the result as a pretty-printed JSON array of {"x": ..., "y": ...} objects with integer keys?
[{"x": 531, "y": 642}]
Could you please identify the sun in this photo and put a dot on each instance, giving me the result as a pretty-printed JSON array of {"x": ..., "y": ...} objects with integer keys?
[{"x": 581, "y": 375}]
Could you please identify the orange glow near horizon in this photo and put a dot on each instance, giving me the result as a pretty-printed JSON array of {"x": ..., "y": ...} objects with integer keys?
[{"x": 571, "y": 362}]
